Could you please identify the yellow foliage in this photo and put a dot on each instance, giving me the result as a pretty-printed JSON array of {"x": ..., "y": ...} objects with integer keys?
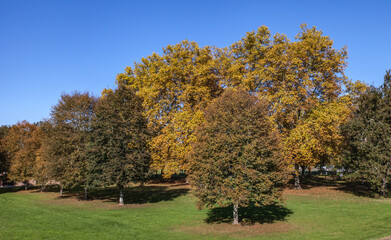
[
  {"x": 317, "y": 138},
  {"x": 299, "y": 79},
  {"x": 175, "y": 88}
]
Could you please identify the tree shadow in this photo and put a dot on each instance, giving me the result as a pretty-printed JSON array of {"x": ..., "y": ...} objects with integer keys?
[
  {"x": 132, "y": 195},
  {"x": 249, "y": 215},
  {"x": 318, "y": 181},
  {"x": 10, "y": 189},
  {"x": 358, "y": 188}
]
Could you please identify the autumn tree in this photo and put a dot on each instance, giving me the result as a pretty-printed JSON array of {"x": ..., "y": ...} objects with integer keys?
[
  {"x": 175, "y": 88},
  {"x": 236, "y": 159},
  {"x": 67, "y": 138},
  {"x": 42, "y": 164},
  {"x": 22, "y": 144},
  {"x": 296, "y": 77},
  {"x": 368, "y": 151},
  {"x": 118, "y": 149},
  {"x": 317, "y": 139}
]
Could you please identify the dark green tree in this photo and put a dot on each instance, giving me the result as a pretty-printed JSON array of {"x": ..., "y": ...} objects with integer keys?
[
  {"x": 236, "y": 160},
  {"x": 67, "y": 136},
  {"x": 4, "y": 161},
  {"x": 118, "y": 149},
  {"x": 368, "y": 136}
]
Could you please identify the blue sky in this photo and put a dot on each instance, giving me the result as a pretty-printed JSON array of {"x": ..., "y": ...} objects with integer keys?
[{"x": 54, "y": 46}]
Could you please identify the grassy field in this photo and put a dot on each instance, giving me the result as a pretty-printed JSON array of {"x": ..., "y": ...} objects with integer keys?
[{"x": 167, "y": 211}]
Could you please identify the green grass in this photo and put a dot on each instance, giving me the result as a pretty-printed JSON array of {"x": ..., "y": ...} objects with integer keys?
[{"x": 168, "y": 212}]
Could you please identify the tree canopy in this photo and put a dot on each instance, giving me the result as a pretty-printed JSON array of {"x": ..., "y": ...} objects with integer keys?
[
  {"x": 22, "y": 144},
  {"x": 67, "y": 137},
  {"x": 236, "y": 159},
  {"x": 4, "y": 162},
  {"x": 368, "y": 151},
  {"x": 118, "y": 149},
  {"x": 295, "y": 77},
  {"x": 175, "y": 87}
]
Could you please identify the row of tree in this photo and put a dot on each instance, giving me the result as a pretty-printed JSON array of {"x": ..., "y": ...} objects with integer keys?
[
  {"x": 238, "y": 120},
  {"x": 303, "y": 81},
  {"x": 87, "y": 142}
]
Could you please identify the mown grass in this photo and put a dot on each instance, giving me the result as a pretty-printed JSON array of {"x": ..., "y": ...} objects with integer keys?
[{"x": 166, "y": 211}]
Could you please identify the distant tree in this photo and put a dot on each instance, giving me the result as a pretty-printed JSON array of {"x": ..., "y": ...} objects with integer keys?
[
  {"x": 67, "y": 138},
  {"x": 236, "y": 159},
  {"x": 118, "y": 149},
  {"x": 4, "y": 161},
  {"x": 22, "y": 143},
  {"x": 368, "y": 135}
]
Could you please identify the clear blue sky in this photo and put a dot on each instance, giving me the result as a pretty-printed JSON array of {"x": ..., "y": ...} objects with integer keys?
[{"x": 50, "y": 47}]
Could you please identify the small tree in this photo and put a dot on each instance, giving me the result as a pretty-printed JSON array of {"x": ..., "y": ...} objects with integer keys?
[
  {"x": 368, "y": 153},
  {"x": 118, "y": 149},
  {"x": 236, "y": 159}
]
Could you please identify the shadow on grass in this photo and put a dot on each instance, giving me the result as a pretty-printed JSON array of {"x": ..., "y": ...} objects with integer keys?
[
  {"x": 318, "y": 181},
  {"x": 354, "y": 187},
  {"x": 249, "y": 215},
  {"x": 132, "y": 195},
  {"x": 358, "y": 189},
  {"x": 15, "y": 189}
]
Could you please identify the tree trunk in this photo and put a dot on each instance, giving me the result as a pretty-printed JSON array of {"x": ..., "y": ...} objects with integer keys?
[
  {"x": 309, "y": 171},
  {"x": 85, "y": 193},
  {"x": 121, "y": 196},
  {"x": 383, "y": 186},
  {"x": 61, "y": 190},
  {"x": 302, "y": 171},
  {"x": 297, "y": 177},
  {"x": 42, "y": 187},
  {"x": 26, "y": 184},
  {"x": 236, "y": 213}
]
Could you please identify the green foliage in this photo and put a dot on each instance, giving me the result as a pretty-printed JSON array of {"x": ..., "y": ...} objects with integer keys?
[
  {"x": 368, "y": 137},
  {"x": 4, "y": 161},
  {"x": 66, "y": 138},
  {"x": 236, "y": 159},
  {"x": 118, "y": 150}
]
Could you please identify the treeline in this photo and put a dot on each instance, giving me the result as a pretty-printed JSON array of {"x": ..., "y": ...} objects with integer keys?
[
  {"x": 150, "y": 120},
  {"x": 87, "y": 142}
]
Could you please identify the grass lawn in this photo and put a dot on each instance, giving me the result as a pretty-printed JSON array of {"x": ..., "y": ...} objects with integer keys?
[{"x": 167, "y": 211}]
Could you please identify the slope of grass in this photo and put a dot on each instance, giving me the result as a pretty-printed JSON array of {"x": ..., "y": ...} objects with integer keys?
[{"x": 168, "y": 212}]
